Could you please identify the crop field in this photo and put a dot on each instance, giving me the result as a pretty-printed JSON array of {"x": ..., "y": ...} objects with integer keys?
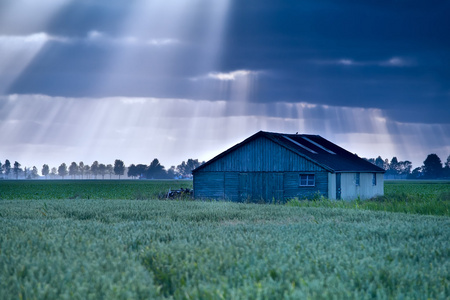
[
  {"x": 109, "y": 248},
  {"x": 88, "y": 189}
]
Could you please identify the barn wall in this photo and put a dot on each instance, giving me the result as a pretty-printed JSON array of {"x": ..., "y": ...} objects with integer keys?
[
  {"x": 365, "y": 190},
  {"x": 261, "y": 155},
  {"x": 292, "y": 188},
  {"x": 209, "y": 185}
]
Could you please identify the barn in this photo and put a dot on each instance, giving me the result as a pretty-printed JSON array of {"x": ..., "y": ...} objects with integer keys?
[{"x": 275, "y": 166}]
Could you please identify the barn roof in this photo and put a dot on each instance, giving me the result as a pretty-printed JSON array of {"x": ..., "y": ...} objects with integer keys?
[{"x": 313, "y": 148}]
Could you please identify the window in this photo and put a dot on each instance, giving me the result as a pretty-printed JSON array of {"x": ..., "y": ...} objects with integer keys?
[
  {"x": 374, "y": 179},
  {"x": 357, "y": 178},
  {"x": 307, "y": 180}
]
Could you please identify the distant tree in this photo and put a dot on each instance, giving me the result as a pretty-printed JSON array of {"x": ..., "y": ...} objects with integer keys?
[
  {"x": 155, "y": 170},
  {"x": 1, "y": 168},
  {"x": 109, "y": 170},
  {"x": 119, "y": 167},
  {"x": 62, "y": 170},
  {"x": 45, "y": 170},
  {"x": 16, "y": 169},
  {"x": 7, "y": 168},
  {"x": 141, "y": 170},
  {"x": 132, "y": 171},
  {"x": 416, "y": 173},
  {"x": 393, "y": 166},
  {"x": 404, "y": 167},
  {"x": 102, "y": 170},
  {"x": 34, "y": 173},
  {"x": 25, "y": 173},
  {"x": 94, "y": 169},
  {"x": 73, "y": 169},
  {"x": 87, "y": 171},
  {"x": 432, "y": 166},
  {"x": 172, "y": 172},
  {"x": 53, "y": 172},
  {"x": 185, "y": 168},
  {"x": 379, "y": 162},
  {"x": 81, "y": 169},
  {"x": 446, "y": 171}
]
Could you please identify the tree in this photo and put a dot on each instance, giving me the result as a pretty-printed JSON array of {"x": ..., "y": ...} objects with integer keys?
[
  {"x": 102, "y": 170},
  {"x": 87, "y": 171},
  {"x": 446, "y": 171},
  {"x": 94, "y": 169},
  {"x": 109, "y": 170},
  {"x": 119, "y": 167},
  {"x": 62, "y": 170},
  {"x": 45, "y": 170},
  {"x": 16, "y": 169},
  {"x": 432, "y": 166},
  {"x": 7, "y": 168},
  {"x": 73, "y": 169},
  {"x": 416, "y": 173},
  {"x": 393, "y": 166},
  {"x": 132, "y": 171},
  {"x": 34, "y": 173},
  {"x": 404, "y": 167},
  {"x": 172, "y": 172},
  {"x": 379, "y": 162},
  {"x": 141, "y": 169},
  {"x": 1, "y": 168},
  {"x": 185, "y": 168},
  {"x": 81, "y": 169},
  {"x": 156, "y": 170},
  {"x": 53, "y": 172}
]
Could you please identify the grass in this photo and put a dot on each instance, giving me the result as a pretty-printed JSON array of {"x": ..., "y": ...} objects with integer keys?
[
  {"x": 87, "y": 189},
  {"x": 415, "y": 197},
  {"x": 128, "y": 249}
]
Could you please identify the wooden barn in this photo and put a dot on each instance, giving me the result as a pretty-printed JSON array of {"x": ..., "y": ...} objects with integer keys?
[{"x": 275, "y": 166}]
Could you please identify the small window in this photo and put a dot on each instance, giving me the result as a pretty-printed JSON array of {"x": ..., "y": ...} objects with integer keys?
[
  {"x": 357, "y": 178},
  {"x": 307, "y": 180},
  {"x": 374, "y": 179}
]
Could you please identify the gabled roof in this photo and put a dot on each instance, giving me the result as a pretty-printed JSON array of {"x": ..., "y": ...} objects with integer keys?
[{"x": 313, "y": 148}]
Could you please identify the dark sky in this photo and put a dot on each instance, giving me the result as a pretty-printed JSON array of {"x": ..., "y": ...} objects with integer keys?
[{"x": 176, "y": 79}]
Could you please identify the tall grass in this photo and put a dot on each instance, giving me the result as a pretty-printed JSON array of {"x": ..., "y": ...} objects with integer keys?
[{"x": 128, "y": 249}]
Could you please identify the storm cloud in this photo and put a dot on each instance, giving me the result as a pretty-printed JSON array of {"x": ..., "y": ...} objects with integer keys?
[{"x": 373, "y": 76}]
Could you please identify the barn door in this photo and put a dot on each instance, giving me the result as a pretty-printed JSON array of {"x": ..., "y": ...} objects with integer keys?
[{"x": 338, "y": 186}]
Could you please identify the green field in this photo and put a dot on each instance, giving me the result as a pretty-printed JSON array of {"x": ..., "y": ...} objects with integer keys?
[
  {"x": 108, "y": 248},
  {"x": 88, "y": 189}
]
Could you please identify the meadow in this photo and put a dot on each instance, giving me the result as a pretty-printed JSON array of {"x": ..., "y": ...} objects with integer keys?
[{"x": 108, "y": 248}]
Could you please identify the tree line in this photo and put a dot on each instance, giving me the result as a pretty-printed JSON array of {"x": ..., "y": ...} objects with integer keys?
[
  {"x": 432, "y": 168},
  {"x": 96, "y": 170}
]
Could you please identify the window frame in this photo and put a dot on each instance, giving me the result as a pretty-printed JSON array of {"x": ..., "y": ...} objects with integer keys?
[
  {"x": 307, "y": 178},
  {"x": 374, "y": 179}
]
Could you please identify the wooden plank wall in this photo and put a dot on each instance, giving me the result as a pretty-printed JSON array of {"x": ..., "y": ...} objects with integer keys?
[
  {"x": 293, "y": 190},
  {"x": 259, "y": 171},
  {"x": 209, "y": 185},
  {"x": 262, "y": 155}
]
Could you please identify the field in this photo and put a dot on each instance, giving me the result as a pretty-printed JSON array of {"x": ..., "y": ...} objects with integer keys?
[
  {"x": 87, "y": 189},
  {"x": 139, "y": 249}
]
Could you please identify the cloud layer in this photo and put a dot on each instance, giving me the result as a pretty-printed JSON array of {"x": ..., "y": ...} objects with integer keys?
[{"x": 200, "y": 76}]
